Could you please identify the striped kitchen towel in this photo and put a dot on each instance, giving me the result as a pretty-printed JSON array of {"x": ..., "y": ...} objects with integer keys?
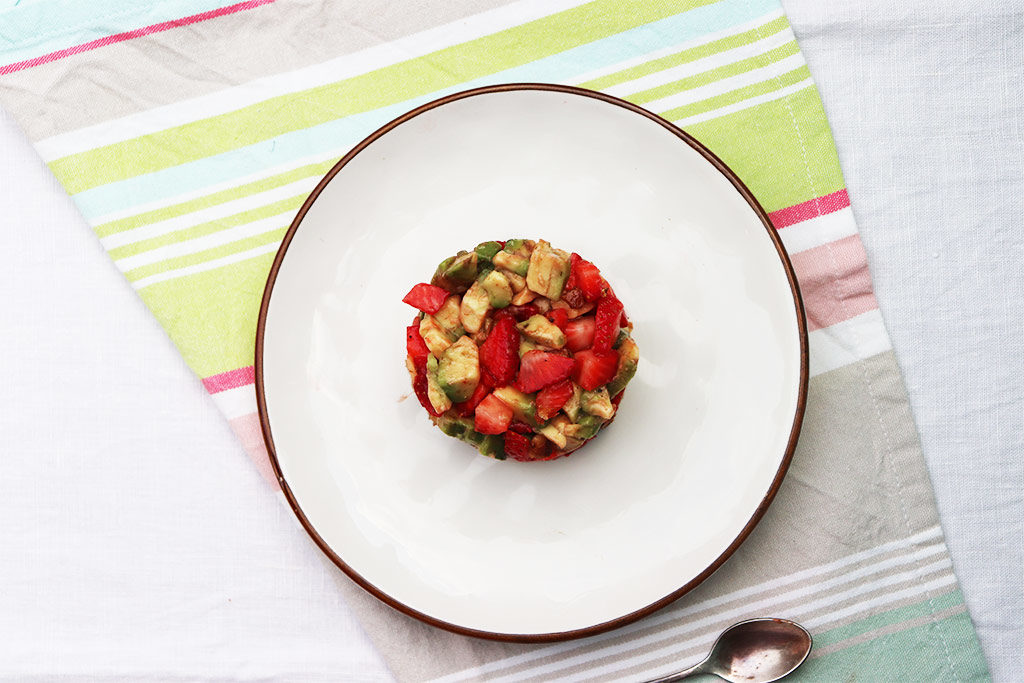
[{"x": 188, "y": 133}]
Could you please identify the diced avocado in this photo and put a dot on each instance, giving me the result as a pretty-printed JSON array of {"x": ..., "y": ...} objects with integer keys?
[
  {"x": 455, "y": 426},
  {"x": 474, "y": 307},
  {"x": 473, "y": 437},
  {"x": 585, "y": 428},
  {"x": 543, "y": 331},
  {"x": 572, "y": 406},
  {"x": 457, "y": 272},
  {"x": 434, "y": 335},
  {"x": 598, "y": 403},
  {"x": 448, "y": 316},
  {"x": 622, "y": 336},
  {"x": 554, "y": 431},
  {"x": 517, "y": 281},
  {"x": 513, "y": 262},
  {"x": 498, "y": 289},
  {"x": 485, "y": 251},
  {"x": 522, "y": 405},
  {"x": 524, "y": 296},
  {"x": 493, "y": 445},
  {"x": 458, "y": 371},
  {"x": 526, "y": 345},
  {"x": 548, "y": 271},
  {"x": 514, "y": 245},
  {"x": 629, "y": 358},
  {"x": 435, "y": 394}
]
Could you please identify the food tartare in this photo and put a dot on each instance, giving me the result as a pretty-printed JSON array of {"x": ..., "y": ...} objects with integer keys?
[{"x": 519, "y": 349}]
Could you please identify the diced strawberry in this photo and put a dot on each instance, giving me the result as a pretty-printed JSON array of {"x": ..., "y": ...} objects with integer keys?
[
  {"x": 427, "y": 298},
  {"x": 419, "y": 386},
  {"x": 499, "y": 354},
  {"x": 519, "y": 313},
  {"x": 415, "y": 346},
  {"x": 609, "y": 311},
  {"x": 579, "y": 334},
  {"x": 587, "y": 277},
  {"x": 493, "y": 416},
  {"x": 539, "y": 369},
  {"x": 623, "y": 320},
  {"x": 570, "y": 282},
  {"x": 617, "y": 399},
  {"x": 522, "y": 427},
  {"x": 551, "y": 399},
  {"x": 517, "y": 446},
  {"x": 559, "y": 316},
  {"x": 466, "y": 408},
  {"x": 595, "y": 368}
]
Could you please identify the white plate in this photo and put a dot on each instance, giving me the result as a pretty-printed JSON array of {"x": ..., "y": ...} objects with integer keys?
[{"x": 541, "y": 550}]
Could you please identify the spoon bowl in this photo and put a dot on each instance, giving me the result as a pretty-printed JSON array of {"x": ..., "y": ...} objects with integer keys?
[{"x": 753, "y": 651}]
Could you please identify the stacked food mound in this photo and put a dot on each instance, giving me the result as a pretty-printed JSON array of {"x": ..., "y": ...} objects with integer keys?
[{"x": 520, "y": 349}]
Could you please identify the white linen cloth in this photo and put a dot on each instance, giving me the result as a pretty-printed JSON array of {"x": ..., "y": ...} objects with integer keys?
[{"x": 140, "y": 544}]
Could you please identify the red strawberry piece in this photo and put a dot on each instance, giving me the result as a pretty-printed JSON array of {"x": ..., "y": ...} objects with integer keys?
[
  {"x": 570, "y": 282},
  {"x": 539, "y": 369},
  {"x": 427, "y": 298},
  {"x": 579, "y": 334},
  {"x": 499, "y": 354},
  {"x": 466, "y": 408},
  {"x": 522, "y": 427},
  {"x": 595, "y": 368},
  {"x": 617, "y": 399},
  {"x": 493, "y": 416},
  {"x": 517, "y": 446},
  {"x": 609, "y": 311},
  {"x": 551, "y": 399},
  {"x": 588, "y": 279},
  {"x": 517, "y": 313},
  {"x": 415, "y": 346},
  {"x": 573, "y": 297},
  {"x": 560, "y": 317}
]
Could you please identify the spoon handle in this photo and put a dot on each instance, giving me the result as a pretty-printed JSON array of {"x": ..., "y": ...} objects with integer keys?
[{"x": 697, "y": 668}]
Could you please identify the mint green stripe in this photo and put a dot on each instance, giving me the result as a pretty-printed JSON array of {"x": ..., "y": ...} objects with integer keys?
[{"x": 286, "y": 113}]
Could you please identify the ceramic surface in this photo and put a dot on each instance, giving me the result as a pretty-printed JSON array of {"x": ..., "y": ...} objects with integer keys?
[{"x": 527, "y": 549}]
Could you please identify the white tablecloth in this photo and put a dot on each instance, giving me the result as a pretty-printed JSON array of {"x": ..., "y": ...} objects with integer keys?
[{"x": 139, "y": 543}]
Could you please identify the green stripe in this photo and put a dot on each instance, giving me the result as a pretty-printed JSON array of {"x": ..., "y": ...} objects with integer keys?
[
  {"x": 211, "y": 316},
  {"x": 276, "y": 234},
  {"x": 690, "y": 55},
  {"x": 206, "y": 201},
  {"x": 943, "y": 650},
  {"x": 712, "y": 75},
  {"x": 896, "y": 616},
  {"x": 766, "y": 146},
  {"x": 266, "y": 211},
  {"x": 441, "y": 69},
  {"x": 739, "y": 95}
]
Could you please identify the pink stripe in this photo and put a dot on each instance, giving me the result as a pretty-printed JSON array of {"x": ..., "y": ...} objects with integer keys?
[
  {"x": 247, "y": 429},
  {"x": 835, "y": 282},
  {"x": 128, "y": 35},
  {"x": 813, "y": 208},
  {"x": 230, "y": 379}
]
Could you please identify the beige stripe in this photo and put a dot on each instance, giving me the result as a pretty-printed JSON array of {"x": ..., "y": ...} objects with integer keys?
[{"x": 212, "y": 55}]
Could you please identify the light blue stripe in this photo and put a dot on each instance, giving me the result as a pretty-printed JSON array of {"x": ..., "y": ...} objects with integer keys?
[
  {"x": 32, "y": 29},
  {"x": 342, "y": 134}
]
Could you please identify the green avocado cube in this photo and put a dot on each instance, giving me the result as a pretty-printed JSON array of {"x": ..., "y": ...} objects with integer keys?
[
  {"x": 435, "y": 394},
  {"x": 629, "y": 358},
  {"x": 597, "y": 403},
  {"x": 541, "y": 330},
  {"x": 514, "y": 263},
  {"x": 456, "y": 273},
  {"x": 585, "y": 428},
  {"x": 572, "y": 406},
  {"x": 523, "y": 405},
  {"x": 485, "y": 251},
  {"x": 474, "y": 307},
  {"x": 493, "y": 445},
  {"x": 454, "y": 426},
  {"x": 458, "y": 371},
  {"x": 498, "y": 289},
  {"x": 448, "y": 315},
  {"x": 548, "y": 271}
]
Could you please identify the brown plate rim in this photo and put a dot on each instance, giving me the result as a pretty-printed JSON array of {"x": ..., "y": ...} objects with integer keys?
[{"x": 643, "y": 611}]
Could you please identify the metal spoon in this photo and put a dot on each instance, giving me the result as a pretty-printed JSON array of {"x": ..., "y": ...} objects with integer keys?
[{"x": 752, "y": 651}]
